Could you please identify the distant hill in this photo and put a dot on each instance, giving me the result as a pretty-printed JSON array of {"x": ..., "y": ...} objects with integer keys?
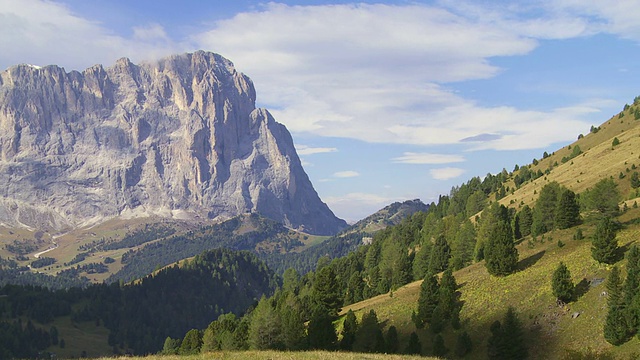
[{"x": 390, "y": 215}]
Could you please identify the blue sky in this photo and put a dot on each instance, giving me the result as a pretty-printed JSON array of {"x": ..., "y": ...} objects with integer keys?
[{"x": 386, "y": 100}]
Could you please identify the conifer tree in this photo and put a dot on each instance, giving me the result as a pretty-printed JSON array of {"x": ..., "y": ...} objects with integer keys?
[
  {"x": 326, "y": 292},
  {"x": 321, "y": 333},
  {"x": 191, "y": 343},
  {"x": 501, "y": 255},
  {"x": 427, "y": 301},
  {"x": 615, "y": 327},
  {"x": 567, "y": 212},
  {"x": 561, "y": 283},
  {"x": 440, "y": 254},
  {"x": 265, "y": 331},
  {"x": 544, "y": 211},
  {"x": 463, "y": 344},
  {"x": 414, "y": 347},
  {"x": 369, "y": 337},
  {"x": 507, "y": 340},
  {"x": 349, "y": 329},
  {"x": 604, "y": 246},
  {"x": 525, "y": 220},
  {"x": 631, "y": 288},
  {"x": 439, "y": 349},
  {"x": 391, "y": 340}
]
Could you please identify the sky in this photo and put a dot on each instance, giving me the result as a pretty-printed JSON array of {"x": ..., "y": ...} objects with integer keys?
[{"x": 386, "y": 100}]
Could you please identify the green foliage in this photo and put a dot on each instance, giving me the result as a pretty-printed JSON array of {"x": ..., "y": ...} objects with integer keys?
[
  {"x": 561, "y": 283},
  {"x": 578, "y": 234},
  {"x": 439, "y": 349},
  {"x": 545, "y": 209},
  {"x": 501, "y": 254},
  {"x": 603, "y": 198},
  {"x": 567, "y": 212},
  {"x": 427, "y": 301},
  {"x": 349, "y": 329},
  {"x": 525, "y": 221},
  {"x": 171, "y": 346},
  {"x": 191, "y": 343},
  {"x": 507, "y": 339},
  {"x": 634, "y": 180},
  {"x": 615, "y": 327},
  {"x": 392, "y": 344},
  {"x": 588, "y": 354},
  {"x": 265, "y": 331},
  {"x": 440, "y": 254},
  {"x": 631, "y": 289},
  {"x": 326, "y": 292},
  {"x": 615, "y": 142},
  {"x": 604, "y": 246},
  {"x": 369, "y": 337},
  {"x": 321, "y": 333},
  {"x": 463, "y": 246},
  {"x": 464, "y": 344},
  {"x": 414, "y": 347}
]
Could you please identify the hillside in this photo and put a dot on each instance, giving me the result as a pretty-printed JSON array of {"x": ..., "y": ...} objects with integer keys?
[
  {"x": 390, "y": 215},
  {"x": 550, "y": 329}
]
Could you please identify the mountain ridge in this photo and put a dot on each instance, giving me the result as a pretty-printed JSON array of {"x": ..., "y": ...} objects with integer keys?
[{"x": 179, "y": 137}]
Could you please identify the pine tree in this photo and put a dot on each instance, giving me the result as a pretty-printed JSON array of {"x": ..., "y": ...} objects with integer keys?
[
  {"x": 392, "y": 344},
  {"x": 349, "y": 329},
  {"x": 604, "y": 198},
  {"x": 631, "y": 288},
  {"x": 440, "y": 254},
  {"x": 414, "y": 347},
  {"x": 501, "y": 255},
  {"x": 265, "y": 331},
  {"x": 544, "y": 211},
  {"x": 321, "y": 333},
  {"x": 369, "y": 337},
  {"x": 525, "y": 220},
  {"x": 561, "y": 283},
  {"x": 292, "y": 323},
  {"x": 507, "y": 340},
  {"x": 439, "y": 349},
  {"x": 615, "y": 327},
  {"x": 326, "y": 292},
  {"x": 427, "y": 301},
  {"x": 604, "y": 246},
  {"x": 463, "y": 344},
  {"x": 191, "y": 343},
  {"x": 567, "y": 212}
]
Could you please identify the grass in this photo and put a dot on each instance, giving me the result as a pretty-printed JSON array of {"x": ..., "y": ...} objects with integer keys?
[
  {"x": 549, "y": 329},
  {"x": 279, "y": 355}
]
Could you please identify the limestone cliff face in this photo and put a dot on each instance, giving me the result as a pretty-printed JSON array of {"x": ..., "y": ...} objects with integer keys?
[{"x": 179, "y": 137}]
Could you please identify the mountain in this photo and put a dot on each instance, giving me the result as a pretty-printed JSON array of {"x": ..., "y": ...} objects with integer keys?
[
  {"x": 179, "y": 137},
  {"x": 390, "y": 215}
]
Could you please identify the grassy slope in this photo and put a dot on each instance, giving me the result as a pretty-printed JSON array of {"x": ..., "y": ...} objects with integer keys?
[
  {"x": 276, "y": 355},
  {"x": 550, "y": 329}
]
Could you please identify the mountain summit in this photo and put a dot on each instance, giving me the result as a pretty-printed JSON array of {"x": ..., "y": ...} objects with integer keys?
[{"x": 180, "y": 137}]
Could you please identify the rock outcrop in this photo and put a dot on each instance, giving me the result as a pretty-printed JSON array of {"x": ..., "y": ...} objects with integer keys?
[{"x": 180, "y": 137}]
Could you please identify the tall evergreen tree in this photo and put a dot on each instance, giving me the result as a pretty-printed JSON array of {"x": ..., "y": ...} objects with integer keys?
[
  {"x": 465, "y": 243},
  {"x": 191, "y": 343},
  {"x": 414, "y": 347},
  {"x": 604, "y": 198},
  {"x": 507, "y": 340},
  {"x": 440, "y": 254},
  {"x": 369, "y": 337},
  {"x": 567, "y": 213},
  {"x": 631, "y": 288},
  {"x": 349, "y": 329},
  {"x": 392, "y": 345},
  {"x": 427, "y": 301},
  {"x": 321, "y": 333},
  {"x": 326, "y": 292},
  {"x": 561, "y": 283},
  {"x": 615, "y": 327},
  {"x": 501, "y": 254},
  {"x": 463, "y": 344},
  {"x": 421, "y": 261},
  {"x": 544, "y": 211},
  {"x": 604, "y": 246},
  {"x": 525, "y": 221},
  {"x": 265, "y": 331},
  {"x": 292, "y": 323},
  {"x": 439, "y": 349}
]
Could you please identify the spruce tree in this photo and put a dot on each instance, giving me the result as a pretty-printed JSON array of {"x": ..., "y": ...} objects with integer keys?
[
  {"x": 604, "y": 246},
  {"x": 544, "y": 211},
  {"x": 326, "y": 292},
  {"x": 392, "y": 344},
  {"x": 349, "y": 329},
  {"x": 440, "y": 254},
  {"x": 191, "y": 343},
  {"x": 463, "y": 344},
  {"x": 369, "y": 337},
  {"x": 321, "y": 334},
  {"x": 507, "y": 340},
  {"x": 525, "y": 220},
  {"x": 615, "y": 327},
  {"x": 567, "y": 212},
  {"x": 561, "y": 283},
  {"x": 414, "y": 347},
  {"x": 631, "y": 288},
  {"x": 427, "y": 301},
  {"x": 439, "y": 349},
  {"x": 501, "y": 255}
]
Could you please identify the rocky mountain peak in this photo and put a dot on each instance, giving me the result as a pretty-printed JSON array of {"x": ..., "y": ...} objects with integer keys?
[{"x": 178, "y": 137}]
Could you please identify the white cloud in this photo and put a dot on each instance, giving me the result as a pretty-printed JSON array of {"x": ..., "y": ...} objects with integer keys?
[
  {"x": 346, "y": 174},
  {"x": 446, "y": 173},
  {"x": 45, "y": 32},
  {"x": 376, "y": 72},
  {"x": 307, "y": 150},
  {"x": 427, "y": 158},
  {"x": 356, "y": 206}
]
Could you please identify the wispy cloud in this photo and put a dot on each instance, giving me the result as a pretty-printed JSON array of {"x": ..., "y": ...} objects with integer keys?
[
  {"x": 307, "y": 150},
  {"x": 446, "y": 173},
  {"x": 427, "y": 158},
  {"x": 346, "y": 174}
]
